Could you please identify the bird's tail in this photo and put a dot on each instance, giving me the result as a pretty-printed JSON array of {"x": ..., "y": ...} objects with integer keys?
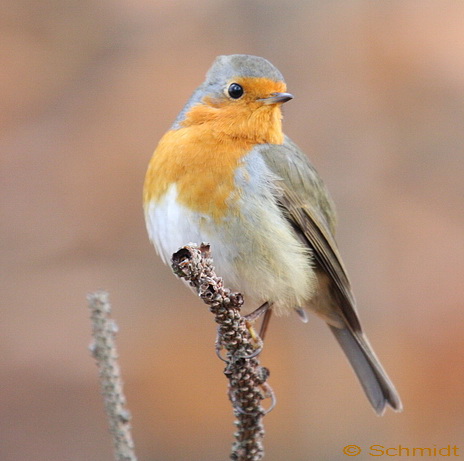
[{"x": 376, "y": 384}]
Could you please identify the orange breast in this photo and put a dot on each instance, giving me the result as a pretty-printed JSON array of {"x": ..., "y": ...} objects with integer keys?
[
  {"x": 202, "y": 169},
  {"x": 201, "y": 157}
]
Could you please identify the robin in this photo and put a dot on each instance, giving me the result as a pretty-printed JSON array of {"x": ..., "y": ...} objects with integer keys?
[{"x": 226, "y": 174}]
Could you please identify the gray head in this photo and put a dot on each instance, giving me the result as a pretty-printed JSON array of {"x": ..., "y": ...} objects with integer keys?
[
  {"x": 223, "y": 71},
  {"x": 226, "y": 68}
]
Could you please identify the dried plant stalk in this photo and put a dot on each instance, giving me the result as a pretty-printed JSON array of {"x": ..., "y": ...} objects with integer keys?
[
  {"x": 104, "y": 351},
  {"x": 247, "y": 379}
]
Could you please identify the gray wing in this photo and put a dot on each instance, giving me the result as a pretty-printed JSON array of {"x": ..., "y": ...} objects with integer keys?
[{"x": 309, "y": 208}]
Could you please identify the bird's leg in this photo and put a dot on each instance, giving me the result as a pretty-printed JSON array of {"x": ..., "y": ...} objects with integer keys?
[
  {"x": 257, "y": 313},
  {"x": 265, "y": 323},
  {"x": 265, "y": 310},
  {"x": 250, "y": 319}
]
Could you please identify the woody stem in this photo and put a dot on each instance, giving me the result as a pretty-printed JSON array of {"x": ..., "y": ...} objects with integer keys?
[{"x": 247, "y": 379}]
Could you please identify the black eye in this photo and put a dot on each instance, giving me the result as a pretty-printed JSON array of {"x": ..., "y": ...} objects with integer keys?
[{"x": 235, "y": 91}]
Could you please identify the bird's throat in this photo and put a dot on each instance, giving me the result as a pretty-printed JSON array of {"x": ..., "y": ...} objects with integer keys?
[{"x": 255, "y": 123}]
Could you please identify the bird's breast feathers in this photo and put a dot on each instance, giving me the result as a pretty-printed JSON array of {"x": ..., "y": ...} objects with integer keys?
[{"x": 234, "y": 208}]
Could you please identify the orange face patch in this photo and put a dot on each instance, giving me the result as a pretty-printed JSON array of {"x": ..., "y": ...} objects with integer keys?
[
  {"x": 243, "y": 118},
  {"x": 254, "y": 88},
  {"x": 202, "y": 156}
]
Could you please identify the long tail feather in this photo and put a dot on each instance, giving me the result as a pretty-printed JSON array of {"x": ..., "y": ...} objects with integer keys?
[{"x": 376, "y": 384}]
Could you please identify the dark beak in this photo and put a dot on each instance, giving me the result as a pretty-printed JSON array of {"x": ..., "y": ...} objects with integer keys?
[{"x": 277, "y": 98}]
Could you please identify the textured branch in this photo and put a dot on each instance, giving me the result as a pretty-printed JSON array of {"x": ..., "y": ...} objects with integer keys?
[
  {"x": 247, "y": 379},
  {"x": 103, "y": 349}
]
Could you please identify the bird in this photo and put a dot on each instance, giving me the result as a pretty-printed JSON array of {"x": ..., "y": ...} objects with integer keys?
[{"x": 226, "y": 174}]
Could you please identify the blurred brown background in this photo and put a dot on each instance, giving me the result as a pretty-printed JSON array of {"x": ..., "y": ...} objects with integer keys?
[{"x": 88, "y": 88}]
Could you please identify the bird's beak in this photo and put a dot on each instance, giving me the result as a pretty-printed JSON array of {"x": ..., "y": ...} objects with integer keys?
[{"x": 277, "y": 98}]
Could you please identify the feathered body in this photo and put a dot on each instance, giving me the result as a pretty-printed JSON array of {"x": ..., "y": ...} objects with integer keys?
[{"x": 226, "y": 174}]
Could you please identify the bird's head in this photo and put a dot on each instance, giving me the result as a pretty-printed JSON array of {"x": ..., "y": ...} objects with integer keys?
[{"x": 240, "y": 98}]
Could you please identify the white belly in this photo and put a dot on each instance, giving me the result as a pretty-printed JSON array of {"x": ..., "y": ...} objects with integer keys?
[{"x": 254, "y": 250}]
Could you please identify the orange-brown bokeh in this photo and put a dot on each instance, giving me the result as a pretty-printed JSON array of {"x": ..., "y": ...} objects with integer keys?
[{"x": 88, "y": 89}]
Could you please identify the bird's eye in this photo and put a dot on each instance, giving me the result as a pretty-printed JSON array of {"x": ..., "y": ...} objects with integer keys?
[{"x": 235, "y": 91}]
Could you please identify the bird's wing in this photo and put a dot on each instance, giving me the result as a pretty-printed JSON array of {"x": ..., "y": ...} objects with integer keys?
[{"x": 309, "y": 208}]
